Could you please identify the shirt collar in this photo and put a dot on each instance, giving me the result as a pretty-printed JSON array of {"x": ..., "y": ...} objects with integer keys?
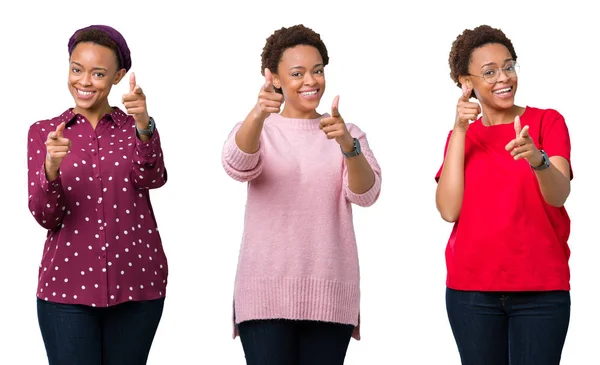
[{"x": 117, "y": 116}]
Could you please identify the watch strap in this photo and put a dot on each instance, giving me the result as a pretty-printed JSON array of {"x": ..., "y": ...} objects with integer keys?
[
  {"x": 148, "y": 131},
  {"x": 545, "y": 162},
  {"x": 354, "y": 152}
]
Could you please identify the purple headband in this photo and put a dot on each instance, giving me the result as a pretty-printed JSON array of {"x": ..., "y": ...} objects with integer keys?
[{"x": 122, "y": 50}]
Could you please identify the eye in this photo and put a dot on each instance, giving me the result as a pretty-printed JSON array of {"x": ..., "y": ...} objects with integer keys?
[
  {"x": 509, "y": 68},
  {"x": 296, "y": 74},
  {"x": 99, "y": 75},
  {"x": 489, "y": 73},
  {"x": 75, "y": 70},
  {"x": 319, "y": 72}
]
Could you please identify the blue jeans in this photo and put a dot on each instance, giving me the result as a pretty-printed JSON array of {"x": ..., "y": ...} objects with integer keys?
[
  {"x": 83, "y": 335},
  {"x": 516, "y": 328},
  {"x": 281, "y": 341}
]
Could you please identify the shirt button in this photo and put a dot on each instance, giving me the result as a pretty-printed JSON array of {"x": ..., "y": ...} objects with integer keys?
[
  {"x": 101, "y": 228},
  {"x": 93, "y": 138}
]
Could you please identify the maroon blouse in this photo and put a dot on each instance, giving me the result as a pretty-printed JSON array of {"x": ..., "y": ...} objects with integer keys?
[{"x": 102, "y": 246}]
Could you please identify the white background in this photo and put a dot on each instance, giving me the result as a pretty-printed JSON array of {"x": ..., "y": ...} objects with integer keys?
[{"x": 200, "y": 68}]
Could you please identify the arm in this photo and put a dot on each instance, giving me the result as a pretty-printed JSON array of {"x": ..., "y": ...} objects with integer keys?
[
  {"x": 148, "y": 163},
  {"x": 451, "y": 177},
  {"x": 362, "y": 174},
  {"x": 554, "y": 181},
  {"x": 241, "y": 153},
  {"x": 46, "y": 198},
  {"x": 241, "y": 166},
  {"x": 451, "y": 180}
]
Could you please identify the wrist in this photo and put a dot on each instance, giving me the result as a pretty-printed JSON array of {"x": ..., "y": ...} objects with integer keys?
[
  {"x": 347, "y": 144},
  {"x": 537, "y": 160}
]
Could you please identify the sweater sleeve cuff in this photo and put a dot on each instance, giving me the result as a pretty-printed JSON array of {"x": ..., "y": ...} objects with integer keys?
[
  {"x": 239, "y": 159},
  {"x": 367, "y": 198}
]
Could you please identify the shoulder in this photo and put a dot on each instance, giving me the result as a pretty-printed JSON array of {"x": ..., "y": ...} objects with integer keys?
[
  {"x": 45, "y": 126},
  {"x": 355, "y": 130},
  {"x": 543, "y": 114}
]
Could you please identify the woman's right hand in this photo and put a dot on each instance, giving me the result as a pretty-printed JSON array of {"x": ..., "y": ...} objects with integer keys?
[
  {"x": 57, "y": 147},
  {"x": 269, "y": 101},
  {"x": 466, "y": 110}
]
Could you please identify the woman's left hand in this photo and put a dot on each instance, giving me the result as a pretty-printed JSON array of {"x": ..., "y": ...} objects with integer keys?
[
  {"x": 523, "y": 147},
  {"x": 135, "y": 103},
  {"x": 334, "y": 127}
]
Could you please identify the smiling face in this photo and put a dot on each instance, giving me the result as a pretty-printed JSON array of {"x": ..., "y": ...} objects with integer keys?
[
  {"x": 301, "y": 77},
  {"x": 92, "y": 73},
  {"x": 487, "y": 59}
]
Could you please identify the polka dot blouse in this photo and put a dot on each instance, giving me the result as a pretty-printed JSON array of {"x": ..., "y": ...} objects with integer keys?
[{"x": 103, "y": 246}]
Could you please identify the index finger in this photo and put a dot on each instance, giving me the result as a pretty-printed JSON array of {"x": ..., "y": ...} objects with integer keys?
[
  {"x": 268, "y": 86},
  {"x": 334, "y": 107},
  {"x": 518, "y": 126},
  {"x": 132, "y": 82},
  {"x": 466, "y": 95},
  {"x": 59, "y": 131}
]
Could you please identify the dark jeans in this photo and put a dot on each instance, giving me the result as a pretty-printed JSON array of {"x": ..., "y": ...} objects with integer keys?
[
  {"x": 286, "y": 342},
  {"x": 82, "y": 335},
  {"x": 516, "y": 328}
]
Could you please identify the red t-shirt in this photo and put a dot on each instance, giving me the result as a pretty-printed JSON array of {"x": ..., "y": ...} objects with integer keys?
[{"x": 507, "y": 237}]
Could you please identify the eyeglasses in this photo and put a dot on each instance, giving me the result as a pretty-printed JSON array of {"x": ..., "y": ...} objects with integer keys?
[{"x": 491, "y": 75}]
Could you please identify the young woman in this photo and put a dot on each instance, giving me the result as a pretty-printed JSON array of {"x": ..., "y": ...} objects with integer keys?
[
  {"x": 296, "y": 297},
  {"x": 103, "y": 272},
  {"x": 503, "y": 183}
]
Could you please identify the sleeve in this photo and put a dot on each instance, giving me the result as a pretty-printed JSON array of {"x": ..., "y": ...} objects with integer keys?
[
  {"x": 46, "y": 198},
  {"x": 554, "y": 137},
  {"x": 369, "y": 197},
  {"x": 439, "y": 173},
  {"x": 148, "y": 163},
  {"x": 239, "y": 165}
]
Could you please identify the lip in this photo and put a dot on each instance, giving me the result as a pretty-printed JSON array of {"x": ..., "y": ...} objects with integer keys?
[
  {"x": 313, "y": 94},
  {"x": 84, "y": 94},
  {"x": 504, "y": 95}
]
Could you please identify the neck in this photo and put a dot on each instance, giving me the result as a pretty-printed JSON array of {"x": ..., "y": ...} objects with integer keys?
[
  {"x": 299, "y": 114},
  {"x": 94, "y": 114},
  {"x": 500, "y": 116}
]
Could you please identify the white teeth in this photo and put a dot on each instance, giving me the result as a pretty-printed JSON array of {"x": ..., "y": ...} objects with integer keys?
[
  {"x": 503, "y": 90},
  {"x": 308, "y": 93},
  {"x": 84, "y": 93}
]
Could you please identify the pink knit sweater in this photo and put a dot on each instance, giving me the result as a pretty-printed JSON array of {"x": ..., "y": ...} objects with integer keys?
[{"x": 298, "y": 259}]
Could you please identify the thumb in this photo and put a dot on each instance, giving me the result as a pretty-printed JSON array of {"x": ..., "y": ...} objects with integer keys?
[
  {"x": 518, "y": 126},
  {"x": 268, "y": 81},
  {"x": 525, "y": 132},
  {"x": 59, "y": 130},
  {"x": 132, "y": 82},
  {"x": 334, "y": 107}
]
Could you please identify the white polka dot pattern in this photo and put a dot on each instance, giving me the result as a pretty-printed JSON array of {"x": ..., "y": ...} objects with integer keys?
[{"x": 91, "y": 211}]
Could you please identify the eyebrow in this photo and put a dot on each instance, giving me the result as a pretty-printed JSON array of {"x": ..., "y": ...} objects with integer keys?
[
  {"x": 302, "y": 67},
  {"x": 493, "y": 63},
  {"x": 95, "y": 68}
]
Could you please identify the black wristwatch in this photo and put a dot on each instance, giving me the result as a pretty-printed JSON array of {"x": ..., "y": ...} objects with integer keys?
[
  {"x": 353, "y": 153},
  {"x": 545, "y": 162},
  {"x": 148, "y": 131}
]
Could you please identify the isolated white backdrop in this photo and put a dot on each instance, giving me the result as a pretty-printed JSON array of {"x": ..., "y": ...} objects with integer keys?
[{"x": 199, "y": 66}]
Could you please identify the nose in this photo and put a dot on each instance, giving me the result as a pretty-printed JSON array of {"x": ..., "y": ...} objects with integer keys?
[
  {"x": 86, "y": 79},
  {"x": 309, "y": 79},
  {"x": 502, "y": 75}
]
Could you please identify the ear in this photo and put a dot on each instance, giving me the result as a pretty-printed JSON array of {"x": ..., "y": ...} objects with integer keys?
[
  {"x": 119, "y": 76},
  {"x": 466, "y": 80},
  {"x": 276, "y": 81}
]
